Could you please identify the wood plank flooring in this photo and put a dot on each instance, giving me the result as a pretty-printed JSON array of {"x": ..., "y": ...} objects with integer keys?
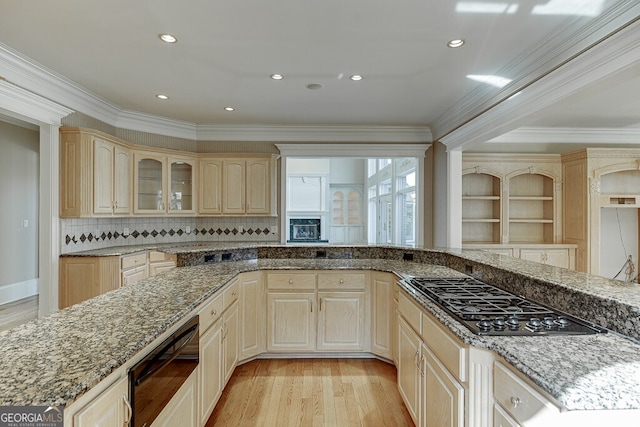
[
  {"x": 311, "y": 392},
  {"x": 18, "y": 312}
]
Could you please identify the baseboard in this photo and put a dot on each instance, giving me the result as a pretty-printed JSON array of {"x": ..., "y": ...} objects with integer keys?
[{"x": 17, "y": 291}]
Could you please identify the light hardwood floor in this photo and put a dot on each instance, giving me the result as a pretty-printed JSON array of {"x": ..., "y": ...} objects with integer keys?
[
  {"x": 18, "y": 312},
  {"x": 311, "y": 392}
]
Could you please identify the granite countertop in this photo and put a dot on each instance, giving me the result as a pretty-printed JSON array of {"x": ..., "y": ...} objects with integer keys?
[{"x": 55, "y": 359}]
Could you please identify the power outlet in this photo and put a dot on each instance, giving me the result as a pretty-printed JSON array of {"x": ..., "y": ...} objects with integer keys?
[
  {"x": 187, "y": 229},
  {"x": 125, "y": 231}
]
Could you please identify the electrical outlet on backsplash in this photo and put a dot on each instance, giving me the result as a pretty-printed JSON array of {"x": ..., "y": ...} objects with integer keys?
[{"x": 79, "y": 234}]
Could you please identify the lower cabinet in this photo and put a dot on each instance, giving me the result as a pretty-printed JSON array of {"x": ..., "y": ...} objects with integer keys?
[
  {"x": 211, "y": 375},
  {"x": 382, "y": 313},
  {"x": 230, "y": 340},
  {"x": 111, "y": 408},
  {"x": 341, "y": 321},
  {"x": 291, "y": 322},
  {"x": 182, "y": 408},
  {"x": 252, "y": 326},
  {"x": 409, "y": 374},
  {"x": 442, "y": 394}
]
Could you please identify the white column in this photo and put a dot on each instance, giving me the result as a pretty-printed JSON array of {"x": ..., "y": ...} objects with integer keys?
[
  {"x": 49, "y": 222},
  {"x": 454, "y": 199}
]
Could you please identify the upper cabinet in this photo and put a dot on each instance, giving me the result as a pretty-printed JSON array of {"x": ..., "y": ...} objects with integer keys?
[
  {"x": 514, "y": 199},
  {"x": 95, "y": 174},
  {"x": 237, "y": 186},
  {"x": 163, "y": 183}
]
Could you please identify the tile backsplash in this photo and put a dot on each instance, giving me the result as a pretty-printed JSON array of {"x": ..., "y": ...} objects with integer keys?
[{"x": 98, "y": 233}]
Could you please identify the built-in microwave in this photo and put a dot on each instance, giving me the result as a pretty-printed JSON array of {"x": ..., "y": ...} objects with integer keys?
[{"x": 155, "y": 379}]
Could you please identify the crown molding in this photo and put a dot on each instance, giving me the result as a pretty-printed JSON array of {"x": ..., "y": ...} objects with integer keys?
[
  {"x": 353, "y": 150},
  {"x": 309, "y": 133},
  {"x": 613, "y": 54},
  {"x": 25, "y": 105},
  {"x": 545, "y": 135},
  {"x": 142, "y": 122},
  {"x": 551, "y": 54}
]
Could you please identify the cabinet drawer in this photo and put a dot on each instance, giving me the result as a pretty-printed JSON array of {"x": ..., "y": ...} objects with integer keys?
[
  {"x": 520, "y": 400},
  {"x": 340, "y": 280},
  {"x": 410, "y": 311},
  {"x": 451, "y": 352},
  {"x": 134, "y": 275},
  {"x": 230, "y": 294},
  {"x": 292, "y": 281},
  {"x": 210, "y": 313},
  {"x": 135, "y": 260},
  {"x": 155, "y": 256}
]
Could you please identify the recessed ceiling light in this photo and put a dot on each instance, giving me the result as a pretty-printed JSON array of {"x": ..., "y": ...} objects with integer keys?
[
  {"x": 167, "y": 38},
  {"x": 229, "y": 109},
  {"x": 277, "y": 76},
  {"x": 161, "y": 96},
  {"x": 455, "y": 43},
  {"x": 356, "y": 77}
]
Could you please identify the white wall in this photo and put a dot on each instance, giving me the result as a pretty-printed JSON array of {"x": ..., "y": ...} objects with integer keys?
[
  {"x": 618, "y": 239},
  {"x": 310, "y": 166},
  {"x": 19, "y": 192},
  {"x": 347, "y": 171}
]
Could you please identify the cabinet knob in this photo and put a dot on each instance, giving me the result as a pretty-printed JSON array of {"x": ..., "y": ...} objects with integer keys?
[
  {"x": 290, "y": 281},
  {"x": 341, "y": 281},
  {"x": 214, "y": 312},
  {"x": 234, "y": 293},
  {"x": 515, "y": 401}
]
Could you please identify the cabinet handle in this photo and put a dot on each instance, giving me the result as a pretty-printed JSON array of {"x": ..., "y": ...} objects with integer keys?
[
  {"x": 214, "y": 312},
  {"x": 515, "y": 401},
  {"x": 415, "y": 358},
  {"x": 127, "y": 417},
  {"x": 234, "y": 293},
  {"x": 421, "y": 365},
  {"x": 312, "y": 306},
  {"x": 320, "y": 308}
]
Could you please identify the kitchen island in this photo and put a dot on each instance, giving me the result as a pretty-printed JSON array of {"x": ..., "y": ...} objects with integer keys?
[{"x": 56, "y": 359}]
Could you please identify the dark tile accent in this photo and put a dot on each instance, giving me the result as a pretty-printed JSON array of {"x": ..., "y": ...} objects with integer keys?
[
  {"x": 163, "y": 232},
  {"x": 180, "y": 232},
  {"x": 145, "y": 233},
  {"x": 135, "y": 234},
  {"x": 115, "y": 235},
  {"x": 83, "y": 238},
  {"x": 67, "y": 239},
  {"x": 171, "y": 232},
  {"x": 227, "y": 231},
  {"x": 154, "y": 233},
  {"x": 234, "y": 231}
]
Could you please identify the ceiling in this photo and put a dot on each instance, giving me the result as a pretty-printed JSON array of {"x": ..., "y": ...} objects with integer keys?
[{"x": 227, "y": 50}]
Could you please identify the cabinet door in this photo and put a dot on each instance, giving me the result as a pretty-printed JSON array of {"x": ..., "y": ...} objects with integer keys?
[
  {"x": 409, "y": 375},
  {"x": 181, "y": 185},
  {"x": 103, "y": 178},
  {"x": 230, "y": 340},
  {"x": 211, "y": 375},
  {"x": 381, "y": 313},
  {"x": 109, "y": 409},
  {"x": 233, "y": 189},
  {"x": 341, "y": 321},
  {"x": 150, "y": 183},
  {"x": 181, "y": 410},
  {"x": 502, "y": 419},
  {"x": 210, "y": 187},
  {"x": 290, "y": 322},
  {"x": 134, "y": 275},
  {"x": 258, "y": 196},
  {"x": 443, "y": 395},
  {"x": 252, "y": 316},
  {"x": 122, "y": 180},
  {"x": 160, "y": 266}
]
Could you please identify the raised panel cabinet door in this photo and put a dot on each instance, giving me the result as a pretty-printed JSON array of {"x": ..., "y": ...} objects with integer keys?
[
  {"x": 230, "y": 340},
  {"x": 181, "y": 190},
  {"x": 443, "y": 395},
  {"x": 290, "y": 322},
  {"x": 211, "y": 375},
  {"x": 109, "y": 409},
  {"x": 103, "y": 176},
  {"x": 409, "y": 375},
  {"x": 341, "y": 321},
  {"x": 150, "y": 179},
  {"x": 233, "y": 186},
  {"x": 122, "y": 180},
  {"x": 258, "y": 186},
  {"x": 210, "y": 187},
  {"x": 502, "y": 419},
  {"x": 382, "y": 312},
  {"x": 252, "y": 316},
  {"x": 182, "y": 408}
]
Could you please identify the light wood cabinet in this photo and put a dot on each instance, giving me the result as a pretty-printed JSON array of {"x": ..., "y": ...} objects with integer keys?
[
  {"x": 409, "y": 344},
  {"x": 252, "y": 315},
  {"x": 558, "y": 255},
  {"x": 341, "y": 321},
  {"x": 210, "y": 188},
  {"x": 248, "y": 186},
  {"x": 95, "y": 174},
  {"x": 182, "y": 408},
  {"x": 211, "y": 375},
  {"x": 82, "y": 278},
  {"x": 230, "y": 340},
  {"x": 382, "y": 313},
  {"x": 290, "y": 322},
  {"x": 133, "y": 268},
  {"x": 111, "y": 408},
  {"x": 443, "y": 395},
  {"x": 160, "y": 262},
  {"x": 163, "y": 183},
  {"x": 510, "y": 198}
]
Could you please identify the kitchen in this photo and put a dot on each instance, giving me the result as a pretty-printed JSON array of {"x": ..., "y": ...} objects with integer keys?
[{"x": 446, "y": 214}]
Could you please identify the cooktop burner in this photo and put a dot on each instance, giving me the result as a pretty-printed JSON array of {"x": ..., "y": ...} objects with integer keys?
[{"x": 488, "y": 310}]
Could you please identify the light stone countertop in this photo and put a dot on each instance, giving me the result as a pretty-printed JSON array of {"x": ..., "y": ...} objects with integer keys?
[{"x": 55, "y": 359}]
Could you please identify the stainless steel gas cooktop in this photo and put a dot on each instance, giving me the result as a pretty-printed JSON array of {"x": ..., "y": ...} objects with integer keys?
[{"x": 488, "y": 310}]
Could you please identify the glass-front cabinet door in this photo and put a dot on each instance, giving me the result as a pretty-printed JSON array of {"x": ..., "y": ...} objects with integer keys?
[
  {"x": 150, "y": 180},
  {"x": 181, "y": 186}
]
